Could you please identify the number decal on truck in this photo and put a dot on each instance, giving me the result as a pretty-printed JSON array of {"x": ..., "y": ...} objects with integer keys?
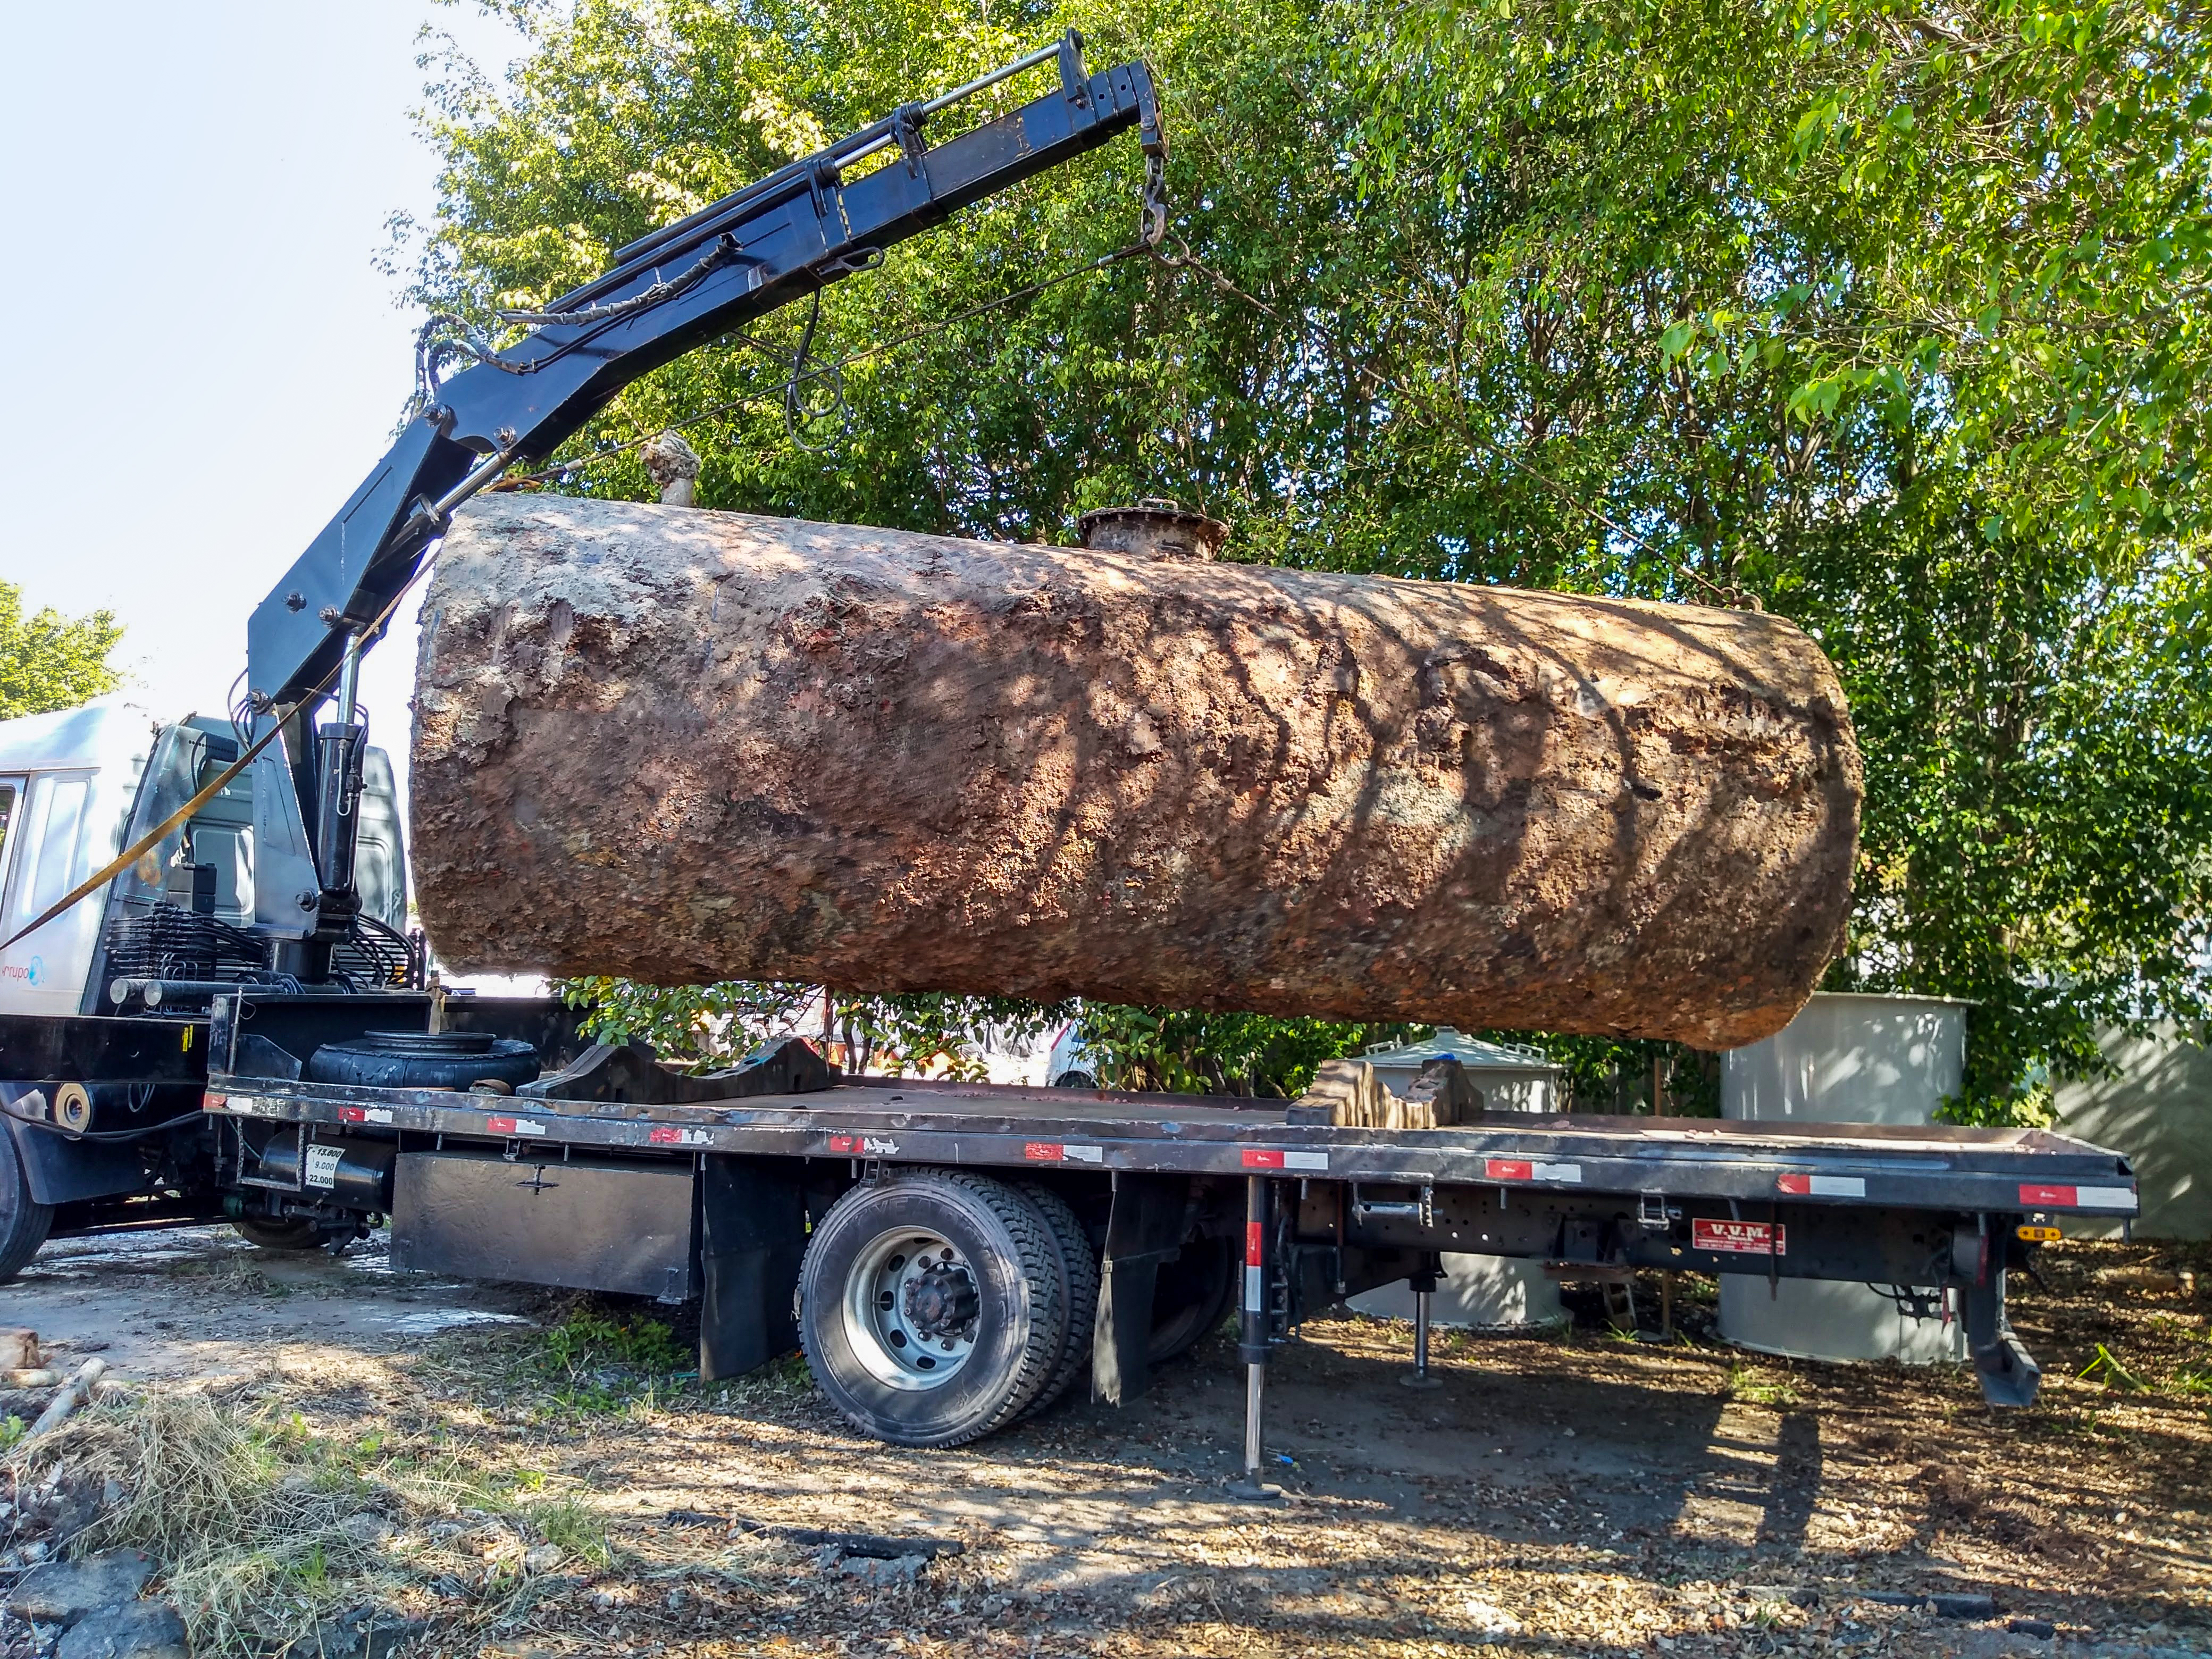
[{"x": 323, "y": 1166}]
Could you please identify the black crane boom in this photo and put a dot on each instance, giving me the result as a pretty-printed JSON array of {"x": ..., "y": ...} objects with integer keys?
[{"x": 779, "y": 239}]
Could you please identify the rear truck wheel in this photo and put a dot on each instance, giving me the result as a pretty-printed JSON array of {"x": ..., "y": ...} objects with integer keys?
[
  {"x": 1080, "y": 1285},
  {"x": 931, "y": 1307},
  {"x": 1191, "y": 1296},
  {"x": 268, "y": 1234},
  {"x": 23, "y": 1220}
]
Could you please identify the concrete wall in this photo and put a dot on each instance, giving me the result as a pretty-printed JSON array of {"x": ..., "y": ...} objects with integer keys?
[{"x": 2159, "y": 1112}]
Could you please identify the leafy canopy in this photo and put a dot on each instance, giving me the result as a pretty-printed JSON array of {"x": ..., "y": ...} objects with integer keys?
[
  {"x": 1891, "y": 319},
  {"x": 48, "y": 661}
]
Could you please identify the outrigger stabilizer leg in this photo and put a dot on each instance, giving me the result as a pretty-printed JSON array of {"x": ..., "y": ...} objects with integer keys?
[{"x": 1252, "y": 1346}]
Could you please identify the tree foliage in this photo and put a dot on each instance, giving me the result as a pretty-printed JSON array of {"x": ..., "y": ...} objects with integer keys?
[
  {"x": 48, "y": 661},
  {"x": 1893, "y": 320}
]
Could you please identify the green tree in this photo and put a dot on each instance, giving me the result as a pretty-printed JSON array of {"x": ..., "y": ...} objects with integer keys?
[
  {"x": 1893, "y": 323},
  {"x": 48, "y": 661},
  {"x": 707, "y": 1027}
]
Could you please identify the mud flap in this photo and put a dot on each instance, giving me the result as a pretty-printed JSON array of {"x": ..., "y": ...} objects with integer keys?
[
  {"x": 752, "y": 1236},
  {"x": 1146, "y": 1223},
  {"x": 60, "y": 1170},
  {"x": 2009, "y": 1376}
]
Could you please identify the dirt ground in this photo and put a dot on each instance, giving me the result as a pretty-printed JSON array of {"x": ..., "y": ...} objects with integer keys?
[{"x": 497, "y": 1473}]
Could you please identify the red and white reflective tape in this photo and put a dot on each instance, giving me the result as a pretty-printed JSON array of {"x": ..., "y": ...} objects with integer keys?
[
  {"x": 1524, "y": 1168},
  {"x": 212, "y": 1102},
  {"x": 1271, "y": 1157},
  {"x": 364, "y": 1114},
  {"x": 1055, "y": 1152},
  {"x": 1256, "y": 1251},
  {"x": 1820, "y": 1186},
  {"x": 513, "y": 1125},
  {"x": 864, "y": 1145},
  {"x": 675, "y": 1137},
  {"x": 2078, "y": 1198},
  {"x": 1739, "y": 1237}
]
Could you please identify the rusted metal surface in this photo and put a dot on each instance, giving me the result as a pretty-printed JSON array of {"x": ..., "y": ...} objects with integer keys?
[
  {"x": 685, "y": 747},
  {"x": 1156, "y": 527}
]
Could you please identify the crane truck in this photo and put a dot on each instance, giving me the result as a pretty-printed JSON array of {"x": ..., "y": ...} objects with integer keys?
[{"x": 210, "y": 1009}]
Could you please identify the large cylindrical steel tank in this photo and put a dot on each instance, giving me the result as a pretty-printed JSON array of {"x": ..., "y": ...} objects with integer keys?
[{"x": 682, "y": 745}]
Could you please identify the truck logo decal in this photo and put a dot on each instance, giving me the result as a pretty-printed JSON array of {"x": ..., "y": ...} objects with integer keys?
[{"x": 1739, "y": 1237}]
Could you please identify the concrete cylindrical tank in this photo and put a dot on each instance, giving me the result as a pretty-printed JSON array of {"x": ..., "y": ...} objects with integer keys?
[
  {"x": 1846, "y": 1058},
  {"x": 1480, "y": 1292}
]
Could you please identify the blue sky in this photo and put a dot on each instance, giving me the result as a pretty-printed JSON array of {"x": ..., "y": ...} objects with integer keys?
[{"x": 202, "y": 358}]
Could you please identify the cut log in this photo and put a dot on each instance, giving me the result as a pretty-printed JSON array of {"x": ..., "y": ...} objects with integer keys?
[{"x": 682, "y": 746}]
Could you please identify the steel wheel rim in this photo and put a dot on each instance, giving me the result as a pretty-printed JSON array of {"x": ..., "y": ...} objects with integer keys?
[{"x": 903, "y": 1305}]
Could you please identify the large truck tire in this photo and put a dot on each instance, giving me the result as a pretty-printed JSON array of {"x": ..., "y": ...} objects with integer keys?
[
  {"x": 1079, "y": 1281},
  {"x": 932, "y": 1307},
  {"x": 269, "y": 1235},
  {"x": 23, "y": 1220},
  {"x": 1191, "y": 1296}
]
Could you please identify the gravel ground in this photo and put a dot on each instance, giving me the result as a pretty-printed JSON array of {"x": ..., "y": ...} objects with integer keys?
[{"x": 1580, "y": 1494}]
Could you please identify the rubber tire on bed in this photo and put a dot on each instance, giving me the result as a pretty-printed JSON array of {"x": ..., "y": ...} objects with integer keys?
[
  {"x": 265, "y": 1234},
  {"x": 23, "y": 1220},
  {"x": 1191, "y": 1296},
  {"x": 1078, "y": 1279},
  {"x": 1022, "y": 1325}
]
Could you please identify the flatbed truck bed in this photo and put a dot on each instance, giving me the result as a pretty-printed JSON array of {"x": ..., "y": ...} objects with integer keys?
[{"x": 612, "y": 1172}]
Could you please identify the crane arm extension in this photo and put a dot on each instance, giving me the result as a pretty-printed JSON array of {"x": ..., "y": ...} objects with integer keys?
[{"x": 797, "y": 230}]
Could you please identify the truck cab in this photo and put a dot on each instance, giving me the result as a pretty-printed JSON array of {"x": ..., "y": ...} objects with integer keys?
[
  {"x": 77, "y": 786},
  {"x": 88, "y": 1143}
]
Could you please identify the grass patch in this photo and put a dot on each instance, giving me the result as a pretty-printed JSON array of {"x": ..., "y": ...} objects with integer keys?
[
  {"x": 577, "y": 1527},
  {"x": 1755, "y": 1386},
  {"x": 599, "y": 1363},
  {"x": 2106, "y": 1368},
  {"x": 268, "y": 1531}
]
